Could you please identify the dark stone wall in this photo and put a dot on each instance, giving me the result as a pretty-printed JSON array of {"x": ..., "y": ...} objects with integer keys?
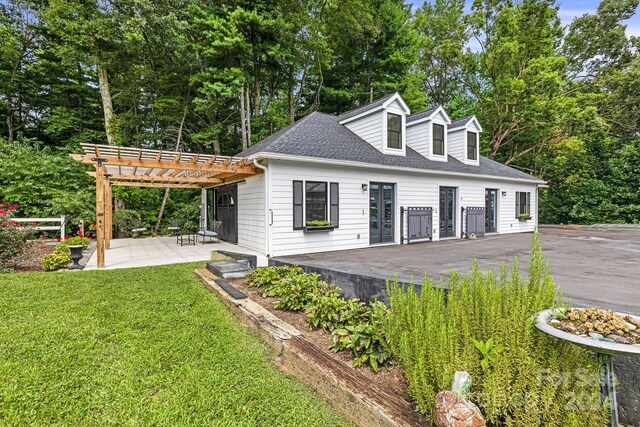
[{"x": 368, "y": 288}]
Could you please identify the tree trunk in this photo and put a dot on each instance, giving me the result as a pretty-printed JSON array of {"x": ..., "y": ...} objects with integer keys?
[
  {"x": 167, "y": 191},
  {"x": 248, "y": 116},
  {"x": 10, "y": 135},
  {"x": 243, "y": 123},
  {"x": 107, "y": 104}
]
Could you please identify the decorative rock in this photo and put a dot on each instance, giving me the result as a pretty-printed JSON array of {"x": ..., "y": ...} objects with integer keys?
[
  {"x": 450, "y": 410},
  {"x": 595, "y": 336},
  {"x": 631, "y": 326},
  {"x": 461, "y": 384},
  {"x": 618, "y": 339}
]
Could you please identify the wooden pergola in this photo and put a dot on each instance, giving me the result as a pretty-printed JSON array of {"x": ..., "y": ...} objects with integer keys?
[{"x": 139, "y": 167}]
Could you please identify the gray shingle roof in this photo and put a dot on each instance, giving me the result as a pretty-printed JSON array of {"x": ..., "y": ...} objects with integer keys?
[
  {"x": 421, "y": 115},
  {"x": 460, "y": 122},
  {"x": 367, "y": 107},
  {"x": 322, "y": 136}
]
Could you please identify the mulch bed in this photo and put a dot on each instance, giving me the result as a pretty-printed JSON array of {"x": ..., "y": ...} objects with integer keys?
[
  {"x": 390, "y": 379},
  {"x": 32, "y": 256}
]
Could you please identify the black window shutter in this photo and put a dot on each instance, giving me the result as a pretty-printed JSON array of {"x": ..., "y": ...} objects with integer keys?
[
  {"x": 298, "y": 200},
  {"x": 334, "y": 208},
  {"x": 517, "y": 204},
  {"x": 528, "y": 203}
]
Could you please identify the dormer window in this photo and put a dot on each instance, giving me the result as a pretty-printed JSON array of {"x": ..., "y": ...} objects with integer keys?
[
  {"x": 472, "y": 146},
  {"x": 438, "y": 140},
  {"x": 394, "y": 131}
]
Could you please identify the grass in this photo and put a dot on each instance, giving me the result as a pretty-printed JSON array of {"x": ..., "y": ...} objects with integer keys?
[{"x": 145, "y": 346}]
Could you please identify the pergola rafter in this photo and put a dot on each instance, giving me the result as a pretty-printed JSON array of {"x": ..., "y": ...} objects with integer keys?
[{"x": 139, "y": 167}]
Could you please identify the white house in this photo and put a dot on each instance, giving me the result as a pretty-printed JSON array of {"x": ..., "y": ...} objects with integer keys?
[{"x": 373, "y": 176}]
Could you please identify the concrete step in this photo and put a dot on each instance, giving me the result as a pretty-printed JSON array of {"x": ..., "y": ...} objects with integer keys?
[{"x": 229, "y": 269}]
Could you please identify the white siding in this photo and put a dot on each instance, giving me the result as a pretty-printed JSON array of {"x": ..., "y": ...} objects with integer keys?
[
  {"x": 419, "y": 138},
  {"x": 251, "y": 213},
  {"x": 457, "y": 144},
  {"x": 412, "y": 189},
  {"x": 369, "y": 128}
]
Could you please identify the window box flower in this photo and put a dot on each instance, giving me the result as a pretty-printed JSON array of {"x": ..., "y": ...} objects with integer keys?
[
  {"x": 318, "y": 226},
  {"x": 524, "y": 217}
]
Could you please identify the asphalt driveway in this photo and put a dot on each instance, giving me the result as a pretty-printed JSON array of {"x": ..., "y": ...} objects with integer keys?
[{"x": 593, "y": 268}]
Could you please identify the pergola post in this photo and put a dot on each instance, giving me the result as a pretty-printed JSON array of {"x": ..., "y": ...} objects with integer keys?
[
  {"x": 100, "y": 217},
  {"x": 108, "y": 214}
]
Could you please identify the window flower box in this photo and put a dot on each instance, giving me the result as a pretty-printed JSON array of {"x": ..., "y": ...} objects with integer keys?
[
  {"x": 524, "y": 217},
  {"x": 318, "y": 227}
]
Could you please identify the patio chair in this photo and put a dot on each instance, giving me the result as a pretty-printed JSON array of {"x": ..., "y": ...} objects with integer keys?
[
  {"x": 136, "y": 227},
  {"x": 210, "y": 233},
  {"x": 175, "y": 227}
]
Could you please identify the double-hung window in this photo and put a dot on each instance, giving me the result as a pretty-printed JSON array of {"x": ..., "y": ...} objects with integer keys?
[
  {"x": 315, "y": 201},
  {"x": 472, "y": 146},
  {"x": 438, "y": 140},
  {"x": 394, "y": 131},
  {"x": 523, "y": 204}
]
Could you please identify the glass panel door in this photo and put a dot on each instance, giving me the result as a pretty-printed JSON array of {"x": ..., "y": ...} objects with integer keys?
[
  {"x": 447, "y": 211},
  {"x": 491, "y": 210},
  {"x": 381, "y": 212}
]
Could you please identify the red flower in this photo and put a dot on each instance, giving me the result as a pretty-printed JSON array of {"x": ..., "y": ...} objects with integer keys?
[{"x": 59, "y": 239}]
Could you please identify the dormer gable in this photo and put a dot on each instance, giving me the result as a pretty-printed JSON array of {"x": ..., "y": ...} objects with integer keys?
[
  {"x": 381, "y": 123},
  {"x": 464, "y": 140},
  {"x": 427, "y": 133}
]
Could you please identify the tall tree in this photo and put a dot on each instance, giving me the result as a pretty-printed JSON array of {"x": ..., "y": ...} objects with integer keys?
[{"x": 442, "y": 39}]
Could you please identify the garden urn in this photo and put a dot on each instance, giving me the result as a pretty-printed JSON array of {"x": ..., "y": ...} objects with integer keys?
[{"x": 76, "y": 256}]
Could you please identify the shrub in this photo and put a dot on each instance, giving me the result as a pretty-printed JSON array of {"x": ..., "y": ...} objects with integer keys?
[
  {"x": 265, "y": 277},
  {"x": 12, "y": 237},
  {"x": 329, "y": 311},
  {"x": 73, "y": 241},
  {"x": 59, "y": 258},
  {"x": 298, "y": 290},
  {"x": 433, "y": 334},
  {"x": 366, "y": 339}
]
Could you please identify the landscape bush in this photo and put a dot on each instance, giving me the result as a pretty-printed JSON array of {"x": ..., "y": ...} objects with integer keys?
[
  {"x": 74, "y": 241},
  {"x": 13, "y": 237},
  {"x": 483, "y": 324},
  {"x": 355, "y": 326},
  {"x": 59, "y": 258}
]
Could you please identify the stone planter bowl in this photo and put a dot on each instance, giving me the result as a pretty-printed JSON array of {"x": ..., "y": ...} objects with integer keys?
[{"x": 603, "y": 347}]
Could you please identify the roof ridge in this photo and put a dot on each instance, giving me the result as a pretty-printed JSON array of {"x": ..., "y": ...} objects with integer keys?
[{"x": 363, "y": 107}]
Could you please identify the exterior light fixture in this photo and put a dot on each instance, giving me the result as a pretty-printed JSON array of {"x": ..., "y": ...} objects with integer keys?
[
  {"x": 364, "y": 187},
  {"x": 504, "y": 193}
]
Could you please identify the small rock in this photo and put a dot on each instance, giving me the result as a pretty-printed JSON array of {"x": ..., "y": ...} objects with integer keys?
[
  {"x": 450, "y": 410},
  {"x": 631, "y": 326},
  {"x": 554, "y": 321},
  {"x": 603, "y": 339},
  {"x": 595, "y": 335},
  {"x": 618, "y": 339}
]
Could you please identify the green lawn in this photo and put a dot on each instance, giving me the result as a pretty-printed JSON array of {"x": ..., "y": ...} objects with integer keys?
[{"x": 146, "y": 346}]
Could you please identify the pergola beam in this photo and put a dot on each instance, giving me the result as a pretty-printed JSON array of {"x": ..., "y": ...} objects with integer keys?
[
  {"x": 226, "y": 166},
  {"x": 156, "y": 185},
  {"x": 160, "y": 179}
]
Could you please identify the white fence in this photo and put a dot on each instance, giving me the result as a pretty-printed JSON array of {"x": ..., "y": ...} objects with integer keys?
[{"x": 61, "y": 220}]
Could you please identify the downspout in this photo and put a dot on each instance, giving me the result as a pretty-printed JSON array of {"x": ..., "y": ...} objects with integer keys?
[{"x": 267, "y": 210}]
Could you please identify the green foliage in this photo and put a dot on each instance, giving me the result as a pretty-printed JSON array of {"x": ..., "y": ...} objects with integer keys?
[
  {"x": 329, "y": 311},
  {"x": 365, "y": 337},
  {"x": 354, "y": 325},
  {"x": 77, "y": 240},
  {"x": 59, "y": 258},
  {"x": 13, "y": 237},
  {"x": 182, "y": 357},
  {"x": 489, "y": 352},
  {"x": 45, "y": 182},
  {"x": 318, "y": 223},
  {"x": 483, "y": 324}
]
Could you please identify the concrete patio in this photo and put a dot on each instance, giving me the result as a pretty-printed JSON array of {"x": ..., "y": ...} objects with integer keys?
[{"x": 148, "y": 251}]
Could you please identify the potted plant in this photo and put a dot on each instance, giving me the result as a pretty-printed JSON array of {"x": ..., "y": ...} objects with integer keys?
[
  {"x": 76, "y": 245},
  {"x": 318, "y": 225}
]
